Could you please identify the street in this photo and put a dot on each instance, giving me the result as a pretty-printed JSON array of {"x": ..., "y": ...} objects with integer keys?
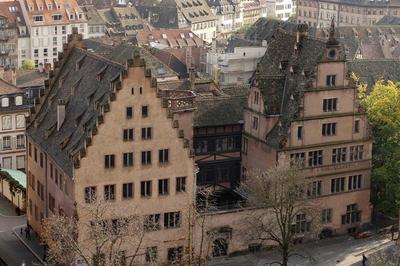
[
  {"x": 340, "y": 251},
  {"x": 12, "y": 251}
]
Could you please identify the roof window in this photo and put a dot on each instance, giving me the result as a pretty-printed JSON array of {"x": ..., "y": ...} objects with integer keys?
[{"x": 4, "y": 102}]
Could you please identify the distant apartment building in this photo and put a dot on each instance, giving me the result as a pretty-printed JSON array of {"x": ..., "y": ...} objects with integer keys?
[
  {"x": 149, "y": 163},
  {"x": 225, "y": 11},
  {"x": 345, "y": 13},
  {"x": 234, "y": 67},
  {"x": 96, "y": 24},
  {"x": 284, "y": 9},
  {"x": 14, "y": 37},
  {"x": 13, "y": 110},
  {"x": 49, "y": 22}
]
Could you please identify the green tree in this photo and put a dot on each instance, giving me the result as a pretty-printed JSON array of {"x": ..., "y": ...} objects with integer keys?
[
  {"x": 382, "y": 105},
  {"x": 28, "y": 64}
]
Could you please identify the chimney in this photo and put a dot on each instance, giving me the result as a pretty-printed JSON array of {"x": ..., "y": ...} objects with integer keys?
[
  {"x": 14, "y": 76},
  {"x": 60, "y": 113},
  {"x": 1, "y": 72},
  {"x": 302, "y": 32},
  {"x": 192, "y": 77},
  {"x": 40, "y": 68}
]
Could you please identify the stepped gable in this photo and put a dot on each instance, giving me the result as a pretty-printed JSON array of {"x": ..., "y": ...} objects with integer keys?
[{"x": 284, "y": 72}]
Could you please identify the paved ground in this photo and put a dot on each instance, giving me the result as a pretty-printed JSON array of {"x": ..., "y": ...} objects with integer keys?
[
  {"x": 340, "y": 251},
  {"x": 12, "y": 250}
]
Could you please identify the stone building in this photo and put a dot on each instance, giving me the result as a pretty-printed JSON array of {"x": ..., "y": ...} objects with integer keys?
[
  {"x": 48, "y": 24},
  {"x": 13, "y": 110},
  {"x": 303, "y": 107},
  {"x": 110, "y": 129},
  {"x": 13, "y": 35},
  {"x": 345, "y": 13}
]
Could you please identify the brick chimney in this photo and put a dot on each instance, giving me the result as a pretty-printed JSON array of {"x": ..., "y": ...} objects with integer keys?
[
  {"x": 1, "y": 72},
  {"x": 14, "y": 76}
]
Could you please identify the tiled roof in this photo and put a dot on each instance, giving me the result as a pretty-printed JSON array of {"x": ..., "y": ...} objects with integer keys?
[
  {"x": 85, "y": 96},
  {"x": 195, "y": 10},
  {"x": 178, "y": 37},
  {"x": 7, "y": 88},
  {"x": 12, "y": 11},
  {"x": 173, "y": 62},
  {"x": 121, "y": 52},
  {"x": 50, "y": 8},
  {"x": 92, "y": 16}
]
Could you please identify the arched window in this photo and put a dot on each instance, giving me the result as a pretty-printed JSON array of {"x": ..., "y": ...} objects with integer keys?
[
  {"x": 18, "y": 100},
  {"x": 4, "y": 102}
]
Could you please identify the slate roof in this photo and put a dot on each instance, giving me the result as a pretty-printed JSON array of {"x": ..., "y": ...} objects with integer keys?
[
  {"x": 195, "y": 10},
  {"x": 92, "y": 15},
  {"x": 218, "y": 106},
  {"x": 173, "y": 62},
  {"x": 161, "y": 14},
  {"x": 83, "y": 105},
  {"x": 389, "y": 20},
  {"x": 372, "y": 41}
]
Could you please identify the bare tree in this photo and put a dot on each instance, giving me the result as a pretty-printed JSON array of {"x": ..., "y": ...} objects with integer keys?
[
  {"x": 283, "y": 213},
  {"x": 102, "y": 235}
]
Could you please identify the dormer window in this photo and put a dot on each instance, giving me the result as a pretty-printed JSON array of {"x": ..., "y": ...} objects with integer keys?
[
  {"x": 4, "y": 102},
  {"x": 57, "y": 17},
  {"x": 38, "y": 18},
  {"x": 49, "y": 6},
  {"x": 18, "y": 100},
  {"x": 71, "y": 16}
]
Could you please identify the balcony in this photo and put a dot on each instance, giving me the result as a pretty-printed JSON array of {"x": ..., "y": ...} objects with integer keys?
[{"x": 337, "y": 168}]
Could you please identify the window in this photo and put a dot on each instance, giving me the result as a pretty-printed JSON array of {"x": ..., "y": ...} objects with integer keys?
[
  {"x": 301, "y": 225},
  {"x": 256, "y": 97},
  {"x": 30, "y": 149},
  {"x": 329, "y": 129},
  {"x": 353, "y": 215},
  {"x": 175, "y": 254},
  {"x": 330, "y": 80},
  {"x": 339, "y": 155},
  {"x": 146, "y": 157},
  {"x": 326, "y": 216},
  {"x": 152, "y": 222},
  {"x": 181, "y": 184},
  {"x": 35, "y": 154},
  {"x": 109, "y": 192},
  {"x": 128, "y": 134},
  {"x": 41, "y": 159},
  {"x": 163, "y": 155},
  {"x": 37, "y": 18},
  {"x": 146, "y": 133},
  {"x": 129, "y": 112},
  {"x": 6, "y": 120},
  {"x": 151, "y": 254},
  {"x": 245, "y": 145},
  {"x": 90, "y": 194},
  {"x": 145, "y": 188},
  {"x": 163, "y": 187},
  {"x": 127, "y": 190},
  {"x": 315, "y": 158},
  {"x": 54, "y": 51},
  {"x": 356, "y": 126},
  {"x": 36, "y": 52},
  {"x": 145, "y": 111},
  {"x": 255, "y": 122},
  {"x": 337, "y": 185},
  {"x": 356, "y": 152},
  {"x": 299, "y": 132},
  {"x": 329, "y": 105},
  {"x": 18, "y": 100},
  {"x": 63, "y": 30},
  {"x": 52, "y": 203},
  {"x": 172, "y": 219},
  {"x": 314, "y": 189},
  {"x": 7, "y": 143},
  {"x": 128, "y": 159},
  {"x": 297, "y": 158},
  {"x": 109, "y": 161},
  {"x": 7, "y": 163},
  {"x": 354, "y": 182},
  {"x": 45, "y": 52},
  {"x": 21, "y": 162}
]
